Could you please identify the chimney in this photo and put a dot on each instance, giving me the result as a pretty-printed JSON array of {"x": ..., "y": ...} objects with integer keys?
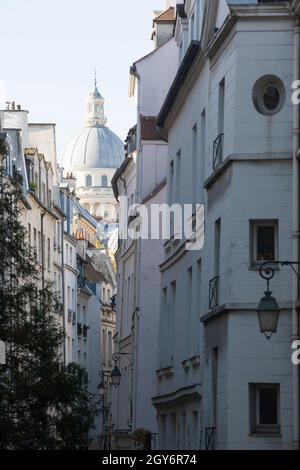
[{"x": 170, "y": 3}]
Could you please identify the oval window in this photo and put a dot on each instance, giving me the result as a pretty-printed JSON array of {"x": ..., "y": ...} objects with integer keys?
[{"x": 268, "y": 95}]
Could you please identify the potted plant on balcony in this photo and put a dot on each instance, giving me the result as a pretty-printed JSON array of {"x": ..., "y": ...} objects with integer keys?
[
  {"x": 142, "y": 439},
  {"x": 85, "y": 330},
  {"x": 32, "y": 186},
  {"x": 79, "y": 329}
]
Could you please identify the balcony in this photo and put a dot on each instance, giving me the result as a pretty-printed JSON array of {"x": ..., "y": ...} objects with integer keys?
[
  {"x": 210, "y": 438},
  {"x": 59, "y": 307},
  {"x": 79, "y": 329},
  {"x": 214, "y": 292},
  {"x": 71, "y": 316},
  {"x": 218, "y": 151}
]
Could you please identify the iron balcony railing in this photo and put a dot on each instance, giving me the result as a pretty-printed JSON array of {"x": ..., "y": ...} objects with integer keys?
[
  {"x": 218, "y": 151},
  {"x": 71, "y": 316},
  {"x": 210, "y": 438},
  {"x": 214, "y": 292},
  {"x": 59, "y": 308}
]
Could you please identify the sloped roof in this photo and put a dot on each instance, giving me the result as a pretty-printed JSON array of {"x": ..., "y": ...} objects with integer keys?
[{"x": 166, "y": 16}]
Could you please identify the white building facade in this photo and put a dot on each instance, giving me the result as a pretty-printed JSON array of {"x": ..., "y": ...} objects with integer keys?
[
  {"x": 229, "y": 117},
  {"x": 142, "y": 180}
]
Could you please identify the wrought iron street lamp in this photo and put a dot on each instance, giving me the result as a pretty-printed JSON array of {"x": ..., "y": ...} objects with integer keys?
[
  {"x": 268, "y": 309},
  {"x": 101, "y": 387},
  {"x": 116, "y": 373}
]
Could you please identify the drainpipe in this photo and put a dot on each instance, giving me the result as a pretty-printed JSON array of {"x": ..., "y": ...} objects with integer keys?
[
  {"x": 43, "y": 249},
  {"x": 137, "y": 263},
  {"x": 63, "y": 289},
  {"x": 295, "y": 234}
]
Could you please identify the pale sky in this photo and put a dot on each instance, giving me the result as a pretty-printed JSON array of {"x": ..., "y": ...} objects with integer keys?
[{"x": 49, "y": 50}]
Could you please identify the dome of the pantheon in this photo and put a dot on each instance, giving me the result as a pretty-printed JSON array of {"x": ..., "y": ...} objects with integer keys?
[{"x": 95, "y": 145}]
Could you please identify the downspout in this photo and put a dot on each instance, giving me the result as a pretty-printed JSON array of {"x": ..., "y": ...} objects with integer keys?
[
  {"x": 43, "y": 249},
  {"x": 63, "y": 289},
  {"x": 295, "y": 242},
  {"x": 137, "y": 263}
]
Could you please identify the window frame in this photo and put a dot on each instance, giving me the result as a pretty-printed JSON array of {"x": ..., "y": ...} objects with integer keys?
[
  {"x": 258, "y": 92},
  {"x": 254, "y": 224},
  {"x": 256, "y": 427}
]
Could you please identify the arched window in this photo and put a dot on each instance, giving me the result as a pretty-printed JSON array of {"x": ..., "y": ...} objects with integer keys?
[
  {"x": 88, "y": 180},
  {"x": 104, "y": 181}
]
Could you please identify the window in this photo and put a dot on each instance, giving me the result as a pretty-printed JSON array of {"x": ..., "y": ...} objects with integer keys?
[
  {"x": 189, "y": 310},
  {"x": 192, "y": 27},
  {"x": 214, "y": 373},
  {"x": 195, "y": 442},
  {"x": 39, "y": 256},
  {"x": 221, "y": 106},
  {"x": 59, "y": 287},
  {"x": 44, "y": 251},
  {"x": 43, "y": 196},
  {"x": 217, "y": 247},
  {"x": 268, "y": 95},
  {"x": 88, "y": 180},
  {"x": 49, "y": 255},
  {"x": 203, "y": 149},
  {"x": 171, "y": 185},
  {"x": 173, "y": 433},
  {"x": 49, "y": 197},
  {"x": 110, "y": 348},
  {"x": 162, "y": 429},
  {"x": 71, "y": 256},
  {"x": 264, "y": 408},
  {"x": 264, "y": 241},
  {"x": 178, "y": 176},
  {"x": 104, "y": 181},
  {"x": 195, "y": 166},
  {"x": 35, "y": 243},
  {"x": 29, "y": 236}
]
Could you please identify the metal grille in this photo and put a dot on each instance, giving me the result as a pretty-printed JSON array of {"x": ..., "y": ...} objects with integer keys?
[
  {"x": 218, "y": 151},
  {"x": 214, "y": 292}
]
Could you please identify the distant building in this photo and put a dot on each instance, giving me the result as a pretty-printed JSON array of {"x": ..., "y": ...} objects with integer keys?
[
  {"x": 141, "y": 179},
  {"x": 64, "y": 242},
  {"x": 92, "y": 156}
]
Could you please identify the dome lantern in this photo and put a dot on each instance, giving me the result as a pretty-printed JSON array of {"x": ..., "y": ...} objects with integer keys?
[{"x": 95, "y": 108}]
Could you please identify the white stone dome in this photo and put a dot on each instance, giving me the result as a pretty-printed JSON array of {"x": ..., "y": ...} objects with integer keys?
[{"x": 93, "y": 147}]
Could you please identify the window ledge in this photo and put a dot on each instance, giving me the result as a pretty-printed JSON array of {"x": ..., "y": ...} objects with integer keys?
[
  {"x": 265, "y": 434},
  {"x": 256, "y": 267}
]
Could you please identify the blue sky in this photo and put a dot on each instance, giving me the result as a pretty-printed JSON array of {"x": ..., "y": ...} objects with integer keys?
[{"x": 51, "y": 48}]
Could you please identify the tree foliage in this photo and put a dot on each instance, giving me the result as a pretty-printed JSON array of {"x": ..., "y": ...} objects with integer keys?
[{"x": 43, "y": 404}]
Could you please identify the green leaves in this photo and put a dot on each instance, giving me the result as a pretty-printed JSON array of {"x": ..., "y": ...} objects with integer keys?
[{"x": 43, "y": 404}]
